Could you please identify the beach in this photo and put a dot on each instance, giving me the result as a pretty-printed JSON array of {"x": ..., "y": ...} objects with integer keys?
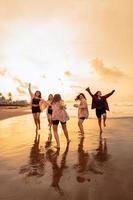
[
  {"x": 13, "y": 111},
  {"x": 93, "y": 167}
]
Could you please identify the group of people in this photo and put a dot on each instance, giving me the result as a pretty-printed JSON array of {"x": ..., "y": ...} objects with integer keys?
[{"x": 56, "y": 111}]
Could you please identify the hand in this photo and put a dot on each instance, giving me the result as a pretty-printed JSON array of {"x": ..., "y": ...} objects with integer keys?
[
  {"x": 75, "y": 105},
  {"x": 29, "y": 85},
  {"x": 87, "y": 89}
]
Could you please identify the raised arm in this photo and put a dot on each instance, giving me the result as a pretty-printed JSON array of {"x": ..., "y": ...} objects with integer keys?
[
  {"x": 30, "y": 92},
  {"x": 88, "y": 90},
  {"x": 109, "y": 94}
]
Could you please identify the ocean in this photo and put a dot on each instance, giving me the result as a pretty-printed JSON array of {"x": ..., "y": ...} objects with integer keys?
[{"x": 116, "y": 111}]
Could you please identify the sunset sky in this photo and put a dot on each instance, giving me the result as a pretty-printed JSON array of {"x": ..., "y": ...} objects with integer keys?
[{"x": 63, "y": 46}]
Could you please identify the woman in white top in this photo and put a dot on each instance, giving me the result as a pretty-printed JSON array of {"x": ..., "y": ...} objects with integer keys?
[
  {"x": 83, "y": 111},
  {"x": 59, "y": 114}
]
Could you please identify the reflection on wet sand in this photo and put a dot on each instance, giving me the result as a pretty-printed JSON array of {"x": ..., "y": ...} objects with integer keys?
[
  {"x": 102, "y": 150},
  {"x": 52, "y": 157},
  {"x": 86, "y": 163},
  {"x": 37, "y": 160}
]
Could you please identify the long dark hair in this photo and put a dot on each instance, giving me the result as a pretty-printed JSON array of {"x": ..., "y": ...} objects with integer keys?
[
  {"x": 96, "y": 94},
  {"x": 78, "y": 96},
  {"x": 56, "y": 98},
  {"x": 49, "y": 96},
  {"x": 40, "y": 95}
]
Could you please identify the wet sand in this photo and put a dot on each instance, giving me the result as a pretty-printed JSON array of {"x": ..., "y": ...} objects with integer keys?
[
  {"x": 89, "y": 168},
  {"x": 13, "y": 111}
]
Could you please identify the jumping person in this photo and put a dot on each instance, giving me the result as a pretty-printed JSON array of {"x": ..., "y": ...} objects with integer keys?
[
  {"x": 59, "y": 114},
  {"x": 82, "y": 111},
  {"x": 36, "y": 99},
  {"x": 100, "y": 103}
]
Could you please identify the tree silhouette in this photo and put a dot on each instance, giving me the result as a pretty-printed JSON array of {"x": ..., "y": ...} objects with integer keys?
[{"x": 10, "y": 96}]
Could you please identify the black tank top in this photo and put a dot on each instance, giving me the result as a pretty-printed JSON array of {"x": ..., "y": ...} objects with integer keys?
[{"x": 35, "y": 101}]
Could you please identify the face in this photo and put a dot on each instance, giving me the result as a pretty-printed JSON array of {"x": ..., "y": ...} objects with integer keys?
[
  {"x": 37, "y": 94},
  {"x": 99, "y": 94},
  {"x": 81, "y": 97},
  {"x": 50, "y": 97}
]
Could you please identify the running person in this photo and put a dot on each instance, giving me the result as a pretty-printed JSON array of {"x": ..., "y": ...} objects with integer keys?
[
  {"x": 100, "y": 103},
  {"x": 59, "y": 114},
  {"x": 83, "y": 112}
]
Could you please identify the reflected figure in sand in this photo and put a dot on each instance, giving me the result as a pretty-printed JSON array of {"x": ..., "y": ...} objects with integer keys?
[
  {"x": 37, "y": 160},
  {"x": 49, "y": 140},
  {"x": 102, "y": 151},
  {"x": 100, "y": 103},
  {"x": 86, "y": 163},
  {"x": 52, "y": 157}
]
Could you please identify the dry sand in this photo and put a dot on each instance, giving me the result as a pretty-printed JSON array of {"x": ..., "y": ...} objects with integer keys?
[{"x": 90, "y": 168}]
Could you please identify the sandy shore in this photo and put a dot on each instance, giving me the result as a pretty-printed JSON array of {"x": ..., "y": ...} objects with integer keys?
[
  {"x": 13, "y": 111},
  {"x": 89, "y": 168}
]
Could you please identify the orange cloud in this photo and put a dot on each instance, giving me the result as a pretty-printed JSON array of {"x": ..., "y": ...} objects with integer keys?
[
  {"x": 113, "y": 74},
  {"x": 3, "y": 71},
  {"x": 68, "y": 73},
  {"x": 21, "y": 91}
]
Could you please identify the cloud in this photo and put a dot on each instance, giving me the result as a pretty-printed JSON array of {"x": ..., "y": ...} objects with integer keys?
[
  {"x": 61, "y": 82},
  {"x": 44, "y": 76},
  {"x": 3, "y": 71},
  {"x": 68, "y": 73},
  {"x": 76, "y": 86},
  {"x": 23, "y": 84},
  {"x": 111, "y": 74},
  {"x": 20, "y": 82},
  {"x": 21, "y": 91}
]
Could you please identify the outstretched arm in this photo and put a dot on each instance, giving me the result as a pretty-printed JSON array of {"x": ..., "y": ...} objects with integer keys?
[
  {"x": 30, "y": 92},
  {"x": 88, "y": 90},
  {"x": 109, "y": 94}
]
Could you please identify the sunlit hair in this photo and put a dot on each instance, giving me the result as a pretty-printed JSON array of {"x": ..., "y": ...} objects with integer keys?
[
  {"x": 96, "y": 94},
  {"x": 56, "y": 98},
  {"x": 39, "y": 93},
  {"x": 50, "y": 96},
  {"x": 78, "y": 97}
]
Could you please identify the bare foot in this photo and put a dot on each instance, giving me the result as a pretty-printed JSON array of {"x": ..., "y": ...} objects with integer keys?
[
  {"x": 104, "y": 124},
  {"x": 68, "y": 140},
  {"x": 101, "y": 131},
  {"x": 57, "y": 147}
]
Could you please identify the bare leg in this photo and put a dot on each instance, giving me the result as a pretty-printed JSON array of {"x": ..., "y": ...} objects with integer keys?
[
  {"x": 100, "y": 125},
  {"x": 80, "y": 124},
  {"x": 104, "y": 119},
  {"x": 38, "y": 120},
  {"x": 64, "y": 127},
  {"x": 55, "y": 130},
  {"x": 49, "y": 121},
  {"x": 35, "y": 119}
]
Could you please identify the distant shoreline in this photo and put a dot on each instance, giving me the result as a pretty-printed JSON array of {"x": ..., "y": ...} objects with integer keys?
[{"x": 13, "y": 111}]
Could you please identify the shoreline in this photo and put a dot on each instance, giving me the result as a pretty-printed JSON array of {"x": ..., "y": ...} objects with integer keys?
[{"x": 7, "y": 112}]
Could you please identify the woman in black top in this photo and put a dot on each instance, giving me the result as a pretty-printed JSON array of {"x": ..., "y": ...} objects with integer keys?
[
  {"x": 35, "y": 101},
  {"x": 100, "y": 103}
]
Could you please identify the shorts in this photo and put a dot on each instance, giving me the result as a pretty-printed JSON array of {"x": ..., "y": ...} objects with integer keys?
[
  {"x": 83, "y": 118},
  {"x": 56, "y": 122},
  {"x": 100, "y": 112},
  {"x": 36, "y": 109},
  {"x": 50, "y": 111}
]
